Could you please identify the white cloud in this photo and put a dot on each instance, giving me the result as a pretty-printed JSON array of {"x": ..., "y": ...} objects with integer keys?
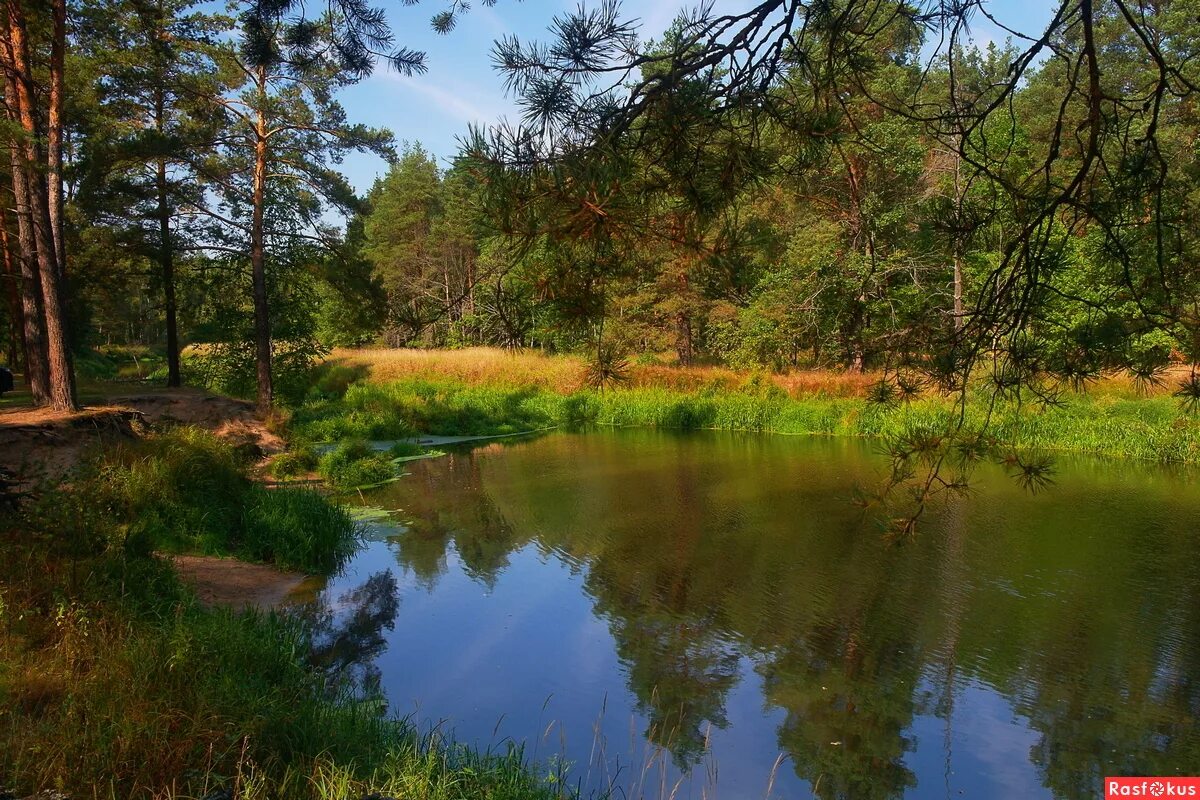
[{"x": 453, "y": 102}]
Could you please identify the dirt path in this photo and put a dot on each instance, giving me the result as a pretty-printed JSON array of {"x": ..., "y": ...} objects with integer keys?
[{"x": 237, "y": 584}]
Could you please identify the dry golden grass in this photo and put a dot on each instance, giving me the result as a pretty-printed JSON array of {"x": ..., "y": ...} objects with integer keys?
[
  {"x": 1122, "y": 384},
  {"x": 474, "y": 365},
  {"x": 490, "y": 366},
  {"x": 496, "y": 367}
]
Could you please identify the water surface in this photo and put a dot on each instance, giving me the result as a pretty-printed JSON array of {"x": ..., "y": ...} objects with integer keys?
[{"x": 710, "y": 614}]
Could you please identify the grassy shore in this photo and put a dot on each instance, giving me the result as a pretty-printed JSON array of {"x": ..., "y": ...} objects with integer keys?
[
  {"x": 392, "y": 394},
  {"x": 115, "y": 683}
]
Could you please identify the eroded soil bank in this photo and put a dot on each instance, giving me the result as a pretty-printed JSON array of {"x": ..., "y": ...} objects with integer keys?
[{"x": 39, "y": 445}]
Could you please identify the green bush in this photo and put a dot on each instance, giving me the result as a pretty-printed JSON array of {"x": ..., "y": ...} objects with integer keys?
[
  {"x": 297, "y": 527},
  {"x": 92, "y": 365},
  {"x": 354, "y": 464},
  {"x": 406, "y": 450},
  {"x": 333, "y": 380}
]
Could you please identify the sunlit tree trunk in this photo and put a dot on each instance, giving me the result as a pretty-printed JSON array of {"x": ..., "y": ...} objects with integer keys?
[
  {"x": 58, "y": 351},
  {"x": 54, "y": 133},
  {"x": 37, "y": 370}
]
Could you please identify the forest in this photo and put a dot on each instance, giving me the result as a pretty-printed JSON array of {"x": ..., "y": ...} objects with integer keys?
[{"x": 861, "y": 187}]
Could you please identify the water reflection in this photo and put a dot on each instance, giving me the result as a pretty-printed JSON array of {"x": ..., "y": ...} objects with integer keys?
[
  {"x": 350, "y": 631},
  {"x": 1022, "y": 646}
]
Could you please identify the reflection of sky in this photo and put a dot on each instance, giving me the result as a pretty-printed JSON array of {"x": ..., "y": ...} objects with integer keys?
[
  {"x": 529, "y": 661},
  {"x": 989, "y": 752}
]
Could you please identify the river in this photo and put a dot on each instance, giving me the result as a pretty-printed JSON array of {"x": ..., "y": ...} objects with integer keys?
[{"x": 712, "y": 615}]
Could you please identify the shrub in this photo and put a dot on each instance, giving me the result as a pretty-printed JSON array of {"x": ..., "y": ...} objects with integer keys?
[
  {"x": 298, "y": 461},
  {"x": 355, "y": 463},
  {"x": 406, "y": 450},
  {"x": 297, "y": 527},
  {"x": 333, "y": 380}
]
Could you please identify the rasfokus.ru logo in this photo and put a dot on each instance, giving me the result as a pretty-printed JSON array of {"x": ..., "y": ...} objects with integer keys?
[{"x": 1151, "y": 787}]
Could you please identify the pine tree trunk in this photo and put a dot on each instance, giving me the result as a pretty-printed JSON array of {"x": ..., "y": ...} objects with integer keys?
[
  {"x": 17, "y": 358},
  {"x": 166, "y": 263},
  {"x": 262, "y": 319},
  {"x": 54, "y": 133},
  {"x": 166, "y": 254},
  {"x": 58, "y": 351},
  {"x": 37, "y": 370}
]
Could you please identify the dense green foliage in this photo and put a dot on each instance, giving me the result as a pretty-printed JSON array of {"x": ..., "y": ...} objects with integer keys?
[
  {"x": 870, "y": 223},
  {"x": 885, "y": 194}
]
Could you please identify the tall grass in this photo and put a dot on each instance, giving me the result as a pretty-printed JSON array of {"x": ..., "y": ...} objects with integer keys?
[
  {"x": 1148, "y": 428},
  {"x": 566, "y": 373},
  {"x": 185, "y": 489}
]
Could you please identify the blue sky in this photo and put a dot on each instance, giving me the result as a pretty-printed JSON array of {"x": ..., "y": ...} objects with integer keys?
[{"x": 461, "y": 86}]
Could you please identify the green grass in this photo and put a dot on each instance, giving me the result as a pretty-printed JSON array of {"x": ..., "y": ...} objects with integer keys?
[
  {"x": 1152, "y": 429},
  {"x": 186, "y": 490},
  {"x": 114, "y": 683}
]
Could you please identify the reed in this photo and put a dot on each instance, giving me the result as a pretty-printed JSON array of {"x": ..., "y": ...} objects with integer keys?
[{"x": 1108, "y": 424}]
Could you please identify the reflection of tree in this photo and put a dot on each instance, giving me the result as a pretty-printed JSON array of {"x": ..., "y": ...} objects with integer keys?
[
  {"x": 451, "y": 506},
  {"x": 347, "y": 640},
  {"x": 1113, "y": 705},
  {"x": 680, "y": 667},
  {"x": 849, "y": 700},
  {"x": 681, "y": 674},
  {"x": 1106, "y": 668}
]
